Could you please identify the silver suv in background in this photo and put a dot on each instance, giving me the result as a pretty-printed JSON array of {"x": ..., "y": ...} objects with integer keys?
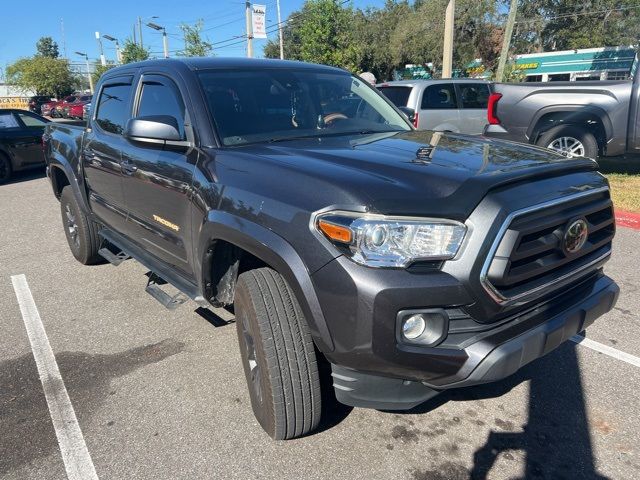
[{"x": 451, "y": 105}]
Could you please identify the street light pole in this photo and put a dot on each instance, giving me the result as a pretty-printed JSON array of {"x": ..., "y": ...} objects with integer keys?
[
  {"x": 103, "y": 61},
  {"x": 165, "y": 40},
  {"x": 113, "y": 39},
  {"x": 86, "y": 59}
]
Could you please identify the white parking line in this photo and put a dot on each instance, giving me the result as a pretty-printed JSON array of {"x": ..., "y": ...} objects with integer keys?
[
  {"x": 607, "y": 350},
  {"x": 75, "y": 455}
]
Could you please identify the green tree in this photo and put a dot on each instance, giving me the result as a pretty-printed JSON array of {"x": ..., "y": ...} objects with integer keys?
[
  {"x": 45, "y": 75},
  {"x": 374, "y": 29},
  {"x": 194, "y": 44},
  {"x": 546, "y": 25},
  {"x": 47, "y": 47},
  {"x": 132, "y": 52},
  {"x": 326, "y": 30},
  {"x": 99, "y": 70}
]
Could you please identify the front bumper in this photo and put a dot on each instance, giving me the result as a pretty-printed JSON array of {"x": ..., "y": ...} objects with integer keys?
[{"x": 487, "y": 356}]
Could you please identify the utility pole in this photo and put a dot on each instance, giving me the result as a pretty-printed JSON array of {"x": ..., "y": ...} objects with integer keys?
[
  {"x": 506, "y": 42},
  {"x": 140, "y": 31},
  {"x": 447, "y": 51},
  {"x": 249, "y": 29},
  {"x": 280, "y": 31},
  {"x": 64, "y": 40}
]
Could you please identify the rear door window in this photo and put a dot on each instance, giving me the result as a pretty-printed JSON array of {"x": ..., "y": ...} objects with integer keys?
[
  {"x": 399, "y": 96},
  {"x": 441, "y": 96},
  {"x": 113, "y": 108},
  {"x": 474, "y": 95}
]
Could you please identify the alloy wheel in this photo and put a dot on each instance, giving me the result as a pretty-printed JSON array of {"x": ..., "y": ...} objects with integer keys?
[
  {"x": 570, "y": 147},
  {"x": 254, "y": 369},
  {"x": 72, "y": 226}
]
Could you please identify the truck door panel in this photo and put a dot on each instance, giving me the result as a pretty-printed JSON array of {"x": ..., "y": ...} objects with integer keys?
[
  {"x": 157, "y": 181},
  {"x": 102, "y": 152}
]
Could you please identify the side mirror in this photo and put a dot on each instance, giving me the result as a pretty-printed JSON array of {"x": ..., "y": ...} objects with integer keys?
[
  {"x": 156, "y": 129},
  {"x": 410, "y": 113}
]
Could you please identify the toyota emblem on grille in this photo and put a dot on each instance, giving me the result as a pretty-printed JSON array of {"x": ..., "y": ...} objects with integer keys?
[{"x": 575, "y": 236}]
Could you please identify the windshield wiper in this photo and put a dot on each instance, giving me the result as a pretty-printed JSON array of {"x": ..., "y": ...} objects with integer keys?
[{"x": 332, "y": 134}]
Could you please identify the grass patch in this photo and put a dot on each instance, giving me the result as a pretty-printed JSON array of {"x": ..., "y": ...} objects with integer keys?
[{"x": 625, "y": 191}]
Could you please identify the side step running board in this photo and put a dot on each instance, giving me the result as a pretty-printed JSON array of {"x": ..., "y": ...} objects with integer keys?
[
  {"x": 112, "y": 258},
  {"x": 169, "y": 302}
]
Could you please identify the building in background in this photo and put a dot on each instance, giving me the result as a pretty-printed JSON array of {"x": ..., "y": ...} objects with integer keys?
[
  {"x": 11, "y": 97},
  {"x": 608, "y": 63}
]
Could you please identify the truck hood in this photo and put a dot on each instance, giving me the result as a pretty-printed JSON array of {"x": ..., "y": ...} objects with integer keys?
[{"x": 417, "y": 172}]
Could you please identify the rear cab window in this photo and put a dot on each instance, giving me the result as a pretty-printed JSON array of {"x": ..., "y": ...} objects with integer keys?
[
  {"x": 31, "y": 121},
  {"x": 399, "y": 96},
  {"x": 8, "y": 120},
  {"x": 440, "y": 96},
  {"x": 474, "y": 95},
  {"x": 113, "y": 107}
]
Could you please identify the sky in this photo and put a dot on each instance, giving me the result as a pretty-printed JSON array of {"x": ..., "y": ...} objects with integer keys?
[{"x": 25, "y": 21}]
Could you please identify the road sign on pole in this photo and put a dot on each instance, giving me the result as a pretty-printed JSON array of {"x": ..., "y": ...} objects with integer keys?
[{"x": 258, "y": 21}]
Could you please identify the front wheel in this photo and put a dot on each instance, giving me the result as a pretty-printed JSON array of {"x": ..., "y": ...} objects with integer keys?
[
  {"x": 570, "y": 141},
  {"x": 278, "y": 355},
  {"x": 81, "y": 231}
]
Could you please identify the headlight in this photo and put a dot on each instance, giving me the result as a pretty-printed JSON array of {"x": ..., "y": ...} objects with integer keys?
[{"x": 380, "y": 241}]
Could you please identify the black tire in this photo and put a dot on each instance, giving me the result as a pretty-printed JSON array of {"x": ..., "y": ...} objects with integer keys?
[
  {"x": 5, "y": 168},
  {"x": 81, "y": 232},
  {"x": 278, "y": 355},
  {"x": 586, "y": 138}
]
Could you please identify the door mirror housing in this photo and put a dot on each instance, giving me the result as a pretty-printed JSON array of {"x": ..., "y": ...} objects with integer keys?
[
  {"x": 410, "y": 113},
  {"x": 155, "y": 129}
]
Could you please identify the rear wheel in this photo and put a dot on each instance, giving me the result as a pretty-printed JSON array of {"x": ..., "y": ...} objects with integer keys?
[
  {"x": 570, "y": 141},
  {"x": 278, "y": 355},
  {"x": 81, "y": 232},
  {"x": 5, "y": 169}
]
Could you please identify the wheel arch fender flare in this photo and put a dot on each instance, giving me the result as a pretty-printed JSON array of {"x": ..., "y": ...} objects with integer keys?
[
  {"x": 62, "y": 164},
  {"x": 598, "y": 112},
  {"x": 274, "y": 251}
]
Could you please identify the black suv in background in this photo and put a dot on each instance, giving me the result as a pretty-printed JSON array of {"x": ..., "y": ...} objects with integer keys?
[
  {"x": 408, "y": 262},
  {"x": 35, "y": 103}
]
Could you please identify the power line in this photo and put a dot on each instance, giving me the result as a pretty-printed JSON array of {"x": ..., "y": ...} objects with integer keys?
[
  {"x": 576, "y": 14},
  {"x": 271, "y": 29}
]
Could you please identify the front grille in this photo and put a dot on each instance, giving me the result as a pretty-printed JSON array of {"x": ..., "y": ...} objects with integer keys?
[{"x": 530, "y": 254}]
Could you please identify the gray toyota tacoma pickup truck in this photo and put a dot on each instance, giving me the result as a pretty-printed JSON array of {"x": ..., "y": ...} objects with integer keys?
[
  {"x": 406, "y": 262},
  {"x": 590, "y": 119}
]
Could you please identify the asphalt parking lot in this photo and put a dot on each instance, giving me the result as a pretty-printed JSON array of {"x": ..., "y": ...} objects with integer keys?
[{"x": 160, "y": 394}]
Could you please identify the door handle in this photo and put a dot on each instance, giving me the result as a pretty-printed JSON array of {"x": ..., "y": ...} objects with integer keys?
[
  {"x": 89, "y": 154},
  {"x": 128, "y": 168}
]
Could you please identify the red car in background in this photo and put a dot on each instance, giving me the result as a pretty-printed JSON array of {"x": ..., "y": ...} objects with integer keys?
[
  {"x": 56, "y": 108},
  {"x": 76, "y": 109}
]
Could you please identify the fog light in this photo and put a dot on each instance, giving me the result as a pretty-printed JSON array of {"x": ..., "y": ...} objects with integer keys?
[
  {"x": 413, "y": 326},
  {"x": 427, "y": 327}
]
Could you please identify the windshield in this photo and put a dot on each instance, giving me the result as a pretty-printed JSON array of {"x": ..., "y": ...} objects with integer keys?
[{"x": 250, "y": 106}]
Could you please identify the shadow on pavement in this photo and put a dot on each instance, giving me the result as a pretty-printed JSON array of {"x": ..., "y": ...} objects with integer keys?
[
  {"x": 26, "y": 175},
  {"x": 556, "y": 439}
]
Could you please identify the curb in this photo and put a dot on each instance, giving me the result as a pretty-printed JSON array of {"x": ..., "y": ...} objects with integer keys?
[{"x": 627, "y": 219}]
